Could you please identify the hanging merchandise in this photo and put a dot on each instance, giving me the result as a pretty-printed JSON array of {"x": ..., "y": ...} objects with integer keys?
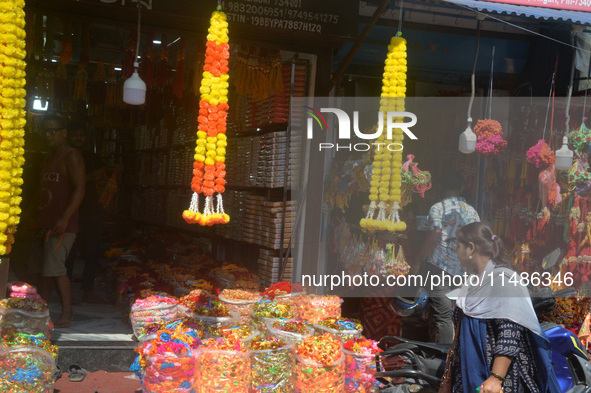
[
  {"x": 12, "y": 115},
  {"x": 490, "y": 138},
  {"x": 80, "y": 80},
  {"x": 386, "y": 179},
  {"x": 210, "y": 154},
  {"x": 580, "y": 139},
  {"x": 111, "y": 92},
  {"x": 419, "y": 181},
  {"x": 98, "y": 92},
  {"x": 542, "y": 157}
]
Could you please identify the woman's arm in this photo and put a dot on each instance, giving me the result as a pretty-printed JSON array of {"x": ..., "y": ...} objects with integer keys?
[{"x": 500, "y": 367}]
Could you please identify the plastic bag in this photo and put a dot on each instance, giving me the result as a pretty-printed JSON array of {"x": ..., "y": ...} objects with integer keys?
[
  {"x": 359, "y": 372},
  {"x": 343, "y": 335},
  {"x": 26, "y": 369},
  {"x": 272, "y": 370},
  {"x": 260, "y": 323},
  {"x": 290, "y": 300},
  {"x": 242, "y": 307},
  {"x": 290, "y": 337},
  {"x": 317, "y": 378},
  {"x": 161, "y": 314},
  {"x": 218, "y": 321},
  {"x": 224, "y": 371},
  {"x": 171, "y": 373},
  {"x": 18, "y": 321}
]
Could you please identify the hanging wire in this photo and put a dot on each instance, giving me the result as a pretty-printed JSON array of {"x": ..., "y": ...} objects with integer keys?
[
  {"x": 472, "y": 80},
  {"x": 399, "y": 33},
  {"x": 587, "y": 88},
  {"x": 549, "y": 100},
  {"x": 488, "y": 114},
  {"x": 219, "y": 8},
  {"x": 139, "y": 20}
]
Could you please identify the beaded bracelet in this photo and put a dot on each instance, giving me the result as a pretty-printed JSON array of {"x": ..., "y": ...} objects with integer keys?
[{"x": 497, "y": 376}]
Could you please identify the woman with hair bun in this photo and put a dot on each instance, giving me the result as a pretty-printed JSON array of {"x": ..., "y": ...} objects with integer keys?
[{"x": 500, "y": 346}]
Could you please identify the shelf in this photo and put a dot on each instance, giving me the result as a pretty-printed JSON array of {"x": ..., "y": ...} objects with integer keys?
[{"x": 269, "y": 128}]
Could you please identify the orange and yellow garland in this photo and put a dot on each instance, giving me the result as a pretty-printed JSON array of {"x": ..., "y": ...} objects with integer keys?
[
  {"x": 385, "y": 193},
  {"x": 209, "y": 168},
  {"x": 12, "y": 117}
]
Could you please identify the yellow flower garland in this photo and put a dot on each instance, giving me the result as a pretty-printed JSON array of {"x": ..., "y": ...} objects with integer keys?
[
  {"x": 12, "y": 117},
  {"x": 386, "y": 179}
]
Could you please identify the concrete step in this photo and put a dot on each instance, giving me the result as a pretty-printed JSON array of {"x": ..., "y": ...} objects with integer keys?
[{"x": 110, "y": 356}]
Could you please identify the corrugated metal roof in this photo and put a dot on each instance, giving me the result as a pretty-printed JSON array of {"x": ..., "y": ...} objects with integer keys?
[{"x": 577, "y": 17}]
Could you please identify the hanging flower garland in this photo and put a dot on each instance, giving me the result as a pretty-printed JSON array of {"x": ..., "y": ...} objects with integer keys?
[
  {"x": 386, "y": 179},
  {"x": 12, "y": 117},
  {"x": 490, "y": 138},
  {"x": 209, "y": 168}
]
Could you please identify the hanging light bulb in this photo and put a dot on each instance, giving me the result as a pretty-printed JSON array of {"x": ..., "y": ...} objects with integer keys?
[
  {"x": 564, "y": 156},
  {"x": 468, "y": 140},
  {"x": 134, "y": 88}
]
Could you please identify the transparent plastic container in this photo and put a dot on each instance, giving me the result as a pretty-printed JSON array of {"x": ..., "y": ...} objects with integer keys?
[
  {"x": 17, "y": 321},
  {"x": 272, "y": 370},
  {"x": 309, "y": 375},
  {"x": 224, "y": 371},
  {"x": 342, "y": 335},
  {"x": 360, "y": 373},
  {"x": 243, "y": 307},
  {"x": 290, "y": 300},
  {"x": 26, "y": 369},
  {"x": 218, "y": 321},
  {"x": 261, "y": 323},
  {"x": 287, "y": 336},
  {"x": 172, "y": 373},
  {"x": 161, "y": 314}
]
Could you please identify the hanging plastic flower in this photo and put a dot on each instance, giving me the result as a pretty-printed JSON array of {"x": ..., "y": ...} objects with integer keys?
[
  {"x": 385, "y": 193},
  {"x": 419, "y": 181},
  {"x": 540, "y": 155},
  {"x": 490, "y": 138},
  {"x": 580, "y": 138},
  {"x": 12, "y": 117},
  {"x": 209, "y": 168}
]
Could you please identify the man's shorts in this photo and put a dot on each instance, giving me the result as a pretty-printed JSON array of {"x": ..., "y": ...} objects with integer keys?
[{"x": 50, "y": 254}]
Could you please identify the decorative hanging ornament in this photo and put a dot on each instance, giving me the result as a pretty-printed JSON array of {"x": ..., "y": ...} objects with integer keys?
[
  {"x": 12, "y": 117},
  {"x": 385, "y": 193},
  {"x": 209, "y": 168},
  {"x": 490, "y": 138}
]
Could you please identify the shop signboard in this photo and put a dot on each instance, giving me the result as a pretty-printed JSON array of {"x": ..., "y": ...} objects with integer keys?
[{"x": 337, "y": 18}]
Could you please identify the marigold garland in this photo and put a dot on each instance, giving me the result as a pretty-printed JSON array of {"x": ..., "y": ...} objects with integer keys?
[
  {"x": 209, "y": 168},
  {"x": 386, "y": 179},
  {"x": 12, "y": 117}
]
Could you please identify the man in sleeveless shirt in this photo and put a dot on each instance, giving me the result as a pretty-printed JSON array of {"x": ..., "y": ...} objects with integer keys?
[
  {"x": 438, "y": 252},
  {"x": 61, "y": 191}
]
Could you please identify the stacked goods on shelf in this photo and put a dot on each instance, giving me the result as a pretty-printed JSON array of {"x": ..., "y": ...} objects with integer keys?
[
  {"x": 149, "y": 206},
  {"x": 236, "y": 207},
  {"x": 263, "y": 219},
  {"x": 269, "y": 265}
]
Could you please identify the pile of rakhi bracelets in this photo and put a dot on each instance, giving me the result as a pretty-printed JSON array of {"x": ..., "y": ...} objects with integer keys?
[
  {"x": 194, "y": 299},
  {"x": 313, "y": 309},
  {"x": 215, "y": 314},
  {"x": 320, "y": 365},
  {"x": 24, "y": 315},
  {"x": 265, "y": 309},
  {"x": 282, "y": 288},
  {"x": 22, "y": 290},
  {"x": 151, "y": 310},
  {"x": 225, "y": 366},
  {"x": 244, "y": 333},
  {"x": 344, "y": 329},
  {"x": 360, "y": 365},
  {"x": 240, "y": 301},
  {"x": 289, "y": 330},
  {"x": 170, "y": 363},
  {"x": 27, "y": 364},
  {"x": 272, "y": 363}
]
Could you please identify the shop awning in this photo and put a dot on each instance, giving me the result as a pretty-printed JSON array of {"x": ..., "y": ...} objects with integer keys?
[{"x": 577, "y": 17}]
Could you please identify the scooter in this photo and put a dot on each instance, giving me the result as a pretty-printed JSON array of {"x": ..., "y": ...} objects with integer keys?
[{"x": 407, "y": 366}]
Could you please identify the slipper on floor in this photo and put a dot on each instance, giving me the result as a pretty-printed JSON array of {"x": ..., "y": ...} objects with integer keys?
[{"x": 77, "y": 373}]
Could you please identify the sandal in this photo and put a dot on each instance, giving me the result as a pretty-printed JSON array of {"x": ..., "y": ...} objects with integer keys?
[
  {"x": 57, "y": 374},
  {"x": 77, "y": 373}
]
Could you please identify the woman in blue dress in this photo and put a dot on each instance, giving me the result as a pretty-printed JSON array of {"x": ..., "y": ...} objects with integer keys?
[{"x": 500, "y": 346}]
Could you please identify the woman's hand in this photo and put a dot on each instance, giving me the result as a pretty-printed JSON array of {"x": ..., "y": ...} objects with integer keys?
[{"x": 491, "y": 385}]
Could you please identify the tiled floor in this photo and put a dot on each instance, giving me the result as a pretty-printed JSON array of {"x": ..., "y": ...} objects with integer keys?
[{"x": 92, "y": 322}]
